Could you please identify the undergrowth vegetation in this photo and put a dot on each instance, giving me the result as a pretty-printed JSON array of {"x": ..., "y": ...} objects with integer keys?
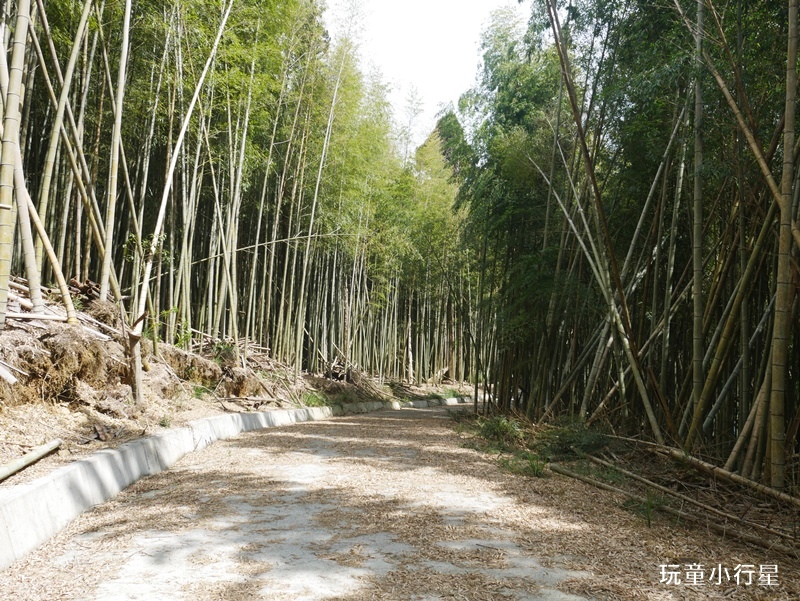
[{"x": 648, "y": 485}]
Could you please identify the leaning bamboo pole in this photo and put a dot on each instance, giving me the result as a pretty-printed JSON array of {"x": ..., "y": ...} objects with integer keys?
[
  {"x": 136, "y": 333},
  {"x": 76, "y": 159},
  {"x": 682, "y": 514},
  {"x": 622, "y": 317},
  {"x": 49, "y": 164}
]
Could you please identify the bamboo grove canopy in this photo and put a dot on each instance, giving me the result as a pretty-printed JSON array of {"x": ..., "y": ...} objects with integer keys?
[{"x": 604, "y": 229}]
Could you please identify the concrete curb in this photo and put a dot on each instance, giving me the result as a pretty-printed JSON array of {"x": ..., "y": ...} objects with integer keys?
[{"x": 30, "y": 514}]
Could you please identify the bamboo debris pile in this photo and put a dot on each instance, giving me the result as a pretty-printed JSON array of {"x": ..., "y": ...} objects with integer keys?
[
  {"x": 54, "y": 311},
  {"x": 717, "y": 501}
]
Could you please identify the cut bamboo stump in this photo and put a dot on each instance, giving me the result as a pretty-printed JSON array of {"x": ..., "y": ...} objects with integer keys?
[{"x": 29, "y": 458}]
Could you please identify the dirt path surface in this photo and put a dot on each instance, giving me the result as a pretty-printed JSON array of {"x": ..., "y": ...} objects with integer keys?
[{"x": 389, "y": 505}]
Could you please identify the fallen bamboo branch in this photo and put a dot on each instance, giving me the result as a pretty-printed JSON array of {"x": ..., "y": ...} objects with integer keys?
[
  {"x": 88, "y": 319},
  {"x": 723, "y": 474},
  {"x": 748, "y": 538},
  {"x": 20, "y": 287},
  {"x": 16, "y": 369},
  {"x": 685, "y": 498},
  {"x": 23, "y": 302},
  {"x": 36, "y": 316},
  {"x": 713, "y": 470},
  {"x": 28, "y": 458}
]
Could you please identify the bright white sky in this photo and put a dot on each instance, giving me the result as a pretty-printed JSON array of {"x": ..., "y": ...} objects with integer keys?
[{"x": 428, "y": 45}]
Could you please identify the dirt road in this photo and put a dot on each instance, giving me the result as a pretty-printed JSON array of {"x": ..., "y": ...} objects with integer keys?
[{"x": 389, "y": 505}]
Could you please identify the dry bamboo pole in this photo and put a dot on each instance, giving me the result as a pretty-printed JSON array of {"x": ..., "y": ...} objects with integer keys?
[
  {"x": 718, "y": 472},
  {"x": 687, "y": 499},
  {"x": 754, "y": 540},
  {"x": 29, "y": 210},
  {"x": 745, "y": 433},
  {"x": 23, "y": 196},
  {"x": 23, "y": 218},
  {"x": 601, "y": 354},
  {"x": 765, "y": 377},
  {"x": 19, "y": 464},
  {"x": 735, "y": 371}
]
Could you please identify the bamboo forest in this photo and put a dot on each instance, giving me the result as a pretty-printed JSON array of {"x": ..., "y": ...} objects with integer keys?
[{"x": 604, "y": 229}]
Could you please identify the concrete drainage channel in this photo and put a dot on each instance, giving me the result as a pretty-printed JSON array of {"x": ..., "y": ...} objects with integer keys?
[{"x": 30, "y": 514}]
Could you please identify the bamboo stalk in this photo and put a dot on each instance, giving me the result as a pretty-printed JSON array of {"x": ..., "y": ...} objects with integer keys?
[
  {"x": 35, "y": 455},
  {"x": 11, "y": 123}
]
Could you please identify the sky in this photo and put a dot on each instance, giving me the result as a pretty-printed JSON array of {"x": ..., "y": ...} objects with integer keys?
[{"x": 431, "y": 46}]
